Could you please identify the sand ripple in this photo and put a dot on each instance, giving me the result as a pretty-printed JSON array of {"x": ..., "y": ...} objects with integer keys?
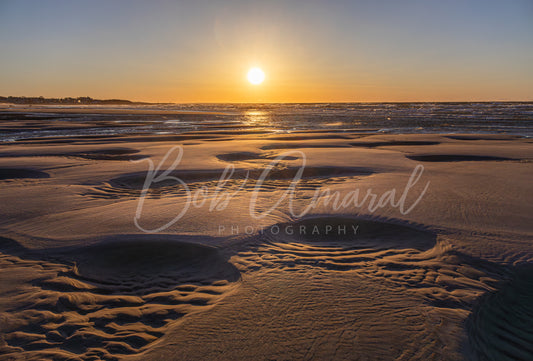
[
  {"x": 392, "y": 253},
  {"x": 109, "y": 299},
  {"x": 500, "y": 327}
]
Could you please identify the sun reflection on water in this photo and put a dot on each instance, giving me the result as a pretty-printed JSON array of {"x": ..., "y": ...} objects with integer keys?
[{"x": 257, "y": 118}]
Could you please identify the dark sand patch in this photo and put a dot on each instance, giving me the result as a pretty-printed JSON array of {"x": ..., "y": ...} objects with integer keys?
[
  {"x": 483, "y": 137},
  {"x": 182, "y": 183},
  {"x": 109, "y": 154},
  {"x": 239, "y": 156},
  {"x": 219, "y": 140},
  {"x": 320, "y": 172},
  {"x": 7, "y": 245},
  {"x": 243, "y": 156},
  {"x": 206, "y": 135},
  {"x": 164, "y": 138},
  {"x": 140, "y": 258},
  {"x": 17, "y": 173},
  {"x": 250, "y": 131},
  {"x": 82, "y": 139},
  {"x": 358, "y": 233},
  {"x": 393, "y": 143},
  {"x": 137, "y": 180},
  {"x": 303, "y": 145},
  {"x": 500, "y": 327},
  {"x": 99, "y": 154},
  {"x": 455, "y": 158},
  {"x": 308, "y": 137}
]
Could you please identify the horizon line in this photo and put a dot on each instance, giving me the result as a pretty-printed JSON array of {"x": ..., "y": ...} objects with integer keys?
[{"x": 271, "y": 102}]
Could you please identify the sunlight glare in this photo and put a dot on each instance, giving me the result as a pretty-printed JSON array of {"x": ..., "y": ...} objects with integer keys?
[{"x": 256, "y": 76}]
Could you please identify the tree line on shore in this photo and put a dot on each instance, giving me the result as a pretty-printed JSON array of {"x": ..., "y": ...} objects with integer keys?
[{"x": 68, "y": 100}]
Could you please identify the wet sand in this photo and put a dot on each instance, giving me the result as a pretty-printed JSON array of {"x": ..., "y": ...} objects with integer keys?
[{"x": 449, "y": 280}]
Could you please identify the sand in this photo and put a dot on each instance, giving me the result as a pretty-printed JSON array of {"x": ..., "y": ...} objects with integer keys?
[{"x": 449, "y": 280}]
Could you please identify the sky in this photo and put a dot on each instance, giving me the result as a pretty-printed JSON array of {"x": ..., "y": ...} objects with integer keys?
[{"x": 311, "y": 51}]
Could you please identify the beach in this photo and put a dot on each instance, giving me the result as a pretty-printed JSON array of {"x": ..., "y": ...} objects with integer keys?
[{"x": 252, "y": 243}]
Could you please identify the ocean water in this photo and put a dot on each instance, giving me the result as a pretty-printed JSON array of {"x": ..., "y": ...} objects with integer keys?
[{"x": 514, "y": 118}]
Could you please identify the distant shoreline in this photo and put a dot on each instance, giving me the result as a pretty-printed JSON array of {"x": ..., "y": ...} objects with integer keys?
[{"x": 66, "y": 101}]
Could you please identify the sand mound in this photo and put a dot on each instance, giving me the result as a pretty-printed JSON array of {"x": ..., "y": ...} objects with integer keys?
[
  {"x": 454, "y": 158},
  {"x": 109, "y": 299},
  {"x": 15, "y": 173},
  {"x": 501, "y": 325}
]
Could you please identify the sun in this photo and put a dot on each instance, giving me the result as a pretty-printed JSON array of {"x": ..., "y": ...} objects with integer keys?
[{"x": 256, "y": 76}]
